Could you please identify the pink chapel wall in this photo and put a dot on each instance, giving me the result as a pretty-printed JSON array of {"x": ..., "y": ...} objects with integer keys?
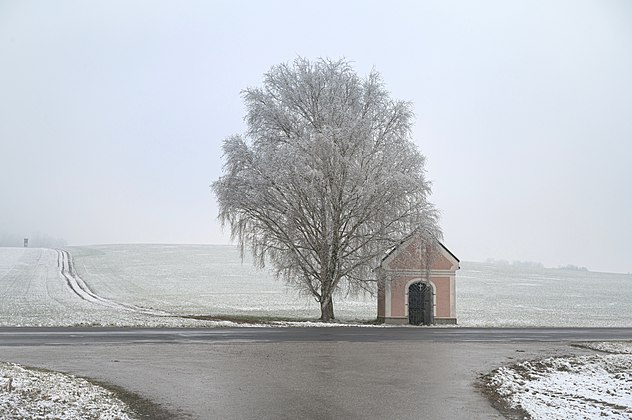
[
  {"x": 399, "y": 298},
  {"x": 442, "y": 308},
  {"x": 405, "y": 266},
  {"x": 409, "y": 259}
]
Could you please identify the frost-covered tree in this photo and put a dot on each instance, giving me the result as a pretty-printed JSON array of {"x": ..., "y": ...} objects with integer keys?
[{"x": 326, "y": 179}]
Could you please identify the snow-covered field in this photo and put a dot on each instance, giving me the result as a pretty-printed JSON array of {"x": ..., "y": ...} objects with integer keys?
[
  {"x": 34, "y": 292},
  {"x": 579, "y": 387},
  {"x": 37, "y": 394},
  {"x": 156, "y": 285},
  {"x": 501, "y": 295},
  {"x": 202, "y": 280},
  {"x": 160, "y": 285}
]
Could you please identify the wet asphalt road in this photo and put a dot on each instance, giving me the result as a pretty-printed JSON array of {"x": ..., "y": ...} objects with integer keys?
[
  {"x": 76, "y": 336},
  {"x": 290, "y": 373}
]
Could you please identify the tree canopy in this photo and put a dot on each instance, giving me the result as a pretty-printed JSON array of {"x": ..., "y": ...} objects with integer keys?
[{"x": 326, "y": 178}]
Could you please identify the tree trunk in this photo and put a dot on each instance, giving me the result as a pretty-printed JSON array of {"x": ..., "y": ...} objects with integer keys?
[
  {"x": 326, "y": 309},
  {"x": 330, "y": 308}
]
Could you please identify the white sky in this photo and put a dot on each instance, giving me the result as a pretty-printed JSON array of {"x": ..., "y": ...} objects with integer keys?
[{"x": 112, "y": 114}]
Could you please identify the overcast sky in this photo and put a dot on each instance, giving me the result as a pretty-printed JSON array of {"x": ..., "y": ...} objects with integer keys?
[{"x": 112, "y": 114}]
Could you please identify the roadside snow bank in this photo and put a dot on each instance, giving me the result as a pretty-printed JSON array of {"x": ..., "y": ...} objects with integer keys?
[
  {"x": 34, "y": 394},
  {"x": 616, "y": 347},
  {"x": 575, "y": 387}
]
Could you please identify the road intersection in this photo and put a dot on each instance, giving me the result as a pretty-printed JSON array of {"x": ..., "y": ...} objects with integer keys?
[{"x": 309, "y": 373}]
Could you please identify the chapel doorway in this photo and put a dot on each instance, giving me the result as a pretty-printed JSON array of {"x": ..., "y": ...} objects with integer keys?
[{"x": 420, "y": 304}]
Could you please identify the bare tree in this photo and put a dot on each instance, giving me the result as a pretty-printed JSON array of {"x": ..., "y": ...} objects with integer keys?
[{"x": 326, "y": 179}]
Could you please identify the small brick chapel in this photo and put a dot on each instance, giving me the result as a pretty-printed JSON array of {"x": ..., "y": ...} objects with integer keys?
[{"x": 416, "y": 284}]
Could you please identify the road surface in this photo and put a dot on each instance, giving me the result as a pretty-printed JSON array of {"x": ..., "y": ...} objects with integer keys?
[
  {"x": 310, "y": 373},
  {"x": 80, "y": 336}
]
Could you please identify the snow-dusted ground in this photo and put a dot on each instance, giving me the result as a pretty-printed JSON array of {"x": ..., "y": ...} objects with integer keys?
[
  {"x": 156, "y": 285},
  {"x": 189, "y": 279},
  {"x": 577, "y": 387},
  {"x": 148, "y": 285},
  {"x": 500, "y": 295},
  {"x": 36, "y": 394},
  {"x": 616, "y": 347},
  {"x": 34, "y": 292}
]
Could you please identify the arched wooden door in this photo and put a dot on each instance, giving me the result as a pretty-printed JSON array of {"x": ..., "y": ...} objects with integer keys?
[{"x": 420, "y": 304}]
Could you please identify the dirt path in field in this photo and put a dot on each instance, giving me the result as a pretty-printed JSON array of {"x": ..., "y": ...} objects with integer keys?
[{"x": 79, "y": 287}]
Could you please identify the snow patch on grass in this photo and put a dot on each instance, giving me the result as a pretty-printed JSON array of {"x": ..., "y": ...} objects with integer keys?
[
  {"x": 35, "y": 394},
  {"x": 324, "y": 324},
  {"x": 616, "y": 347},
  {"x": 575, "y": 387}
]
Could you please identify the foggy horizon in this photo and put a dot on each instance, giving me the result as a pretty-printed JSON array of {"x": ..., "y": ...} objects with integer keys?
[{"x": 112, "y": 115}]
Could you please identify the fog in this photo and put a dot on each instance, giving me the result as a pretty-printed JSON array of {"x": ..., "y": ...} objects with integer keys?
[{"x": 112, "y": 115}]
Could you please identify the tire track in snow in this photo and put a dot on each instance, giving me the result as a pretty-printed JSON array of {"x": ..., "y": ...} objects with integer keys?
[{"x": 81, "y": 289}]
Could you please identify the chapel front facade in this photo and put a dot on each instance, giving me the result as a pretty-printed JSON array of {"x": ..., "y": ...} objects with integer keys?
[{"x": 417, "y": 284}]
